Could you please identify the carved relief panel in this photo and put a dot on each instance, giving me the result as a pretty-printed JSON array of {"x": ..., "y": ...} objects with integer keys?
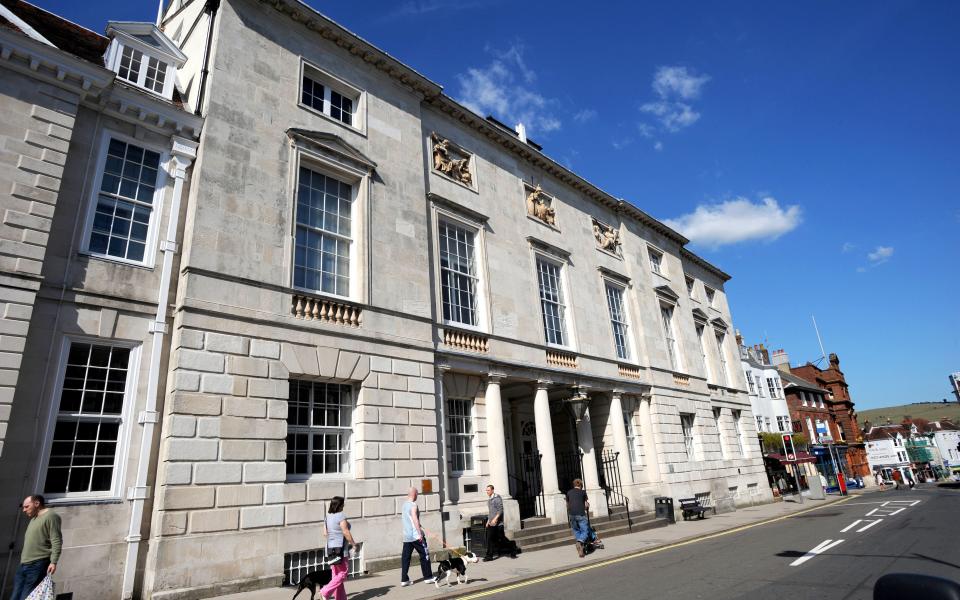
[
  {"x": 540, "y": 205},
  {"x": 451, "y": 160},
  {"x": 608, "y": 237}
]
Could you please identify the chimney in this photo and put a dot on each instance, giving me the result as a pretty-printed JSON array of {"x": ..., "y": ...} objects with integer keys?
[
  {"x": 521, "y": 132},
  {"x": 781, "y": 360}
]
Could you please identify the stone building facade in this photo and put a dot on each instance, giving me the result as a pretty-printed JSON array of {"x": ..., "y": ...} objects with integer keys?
[
  {"x": 376, "y": 288},
  {"x": 93, "y": 174}
]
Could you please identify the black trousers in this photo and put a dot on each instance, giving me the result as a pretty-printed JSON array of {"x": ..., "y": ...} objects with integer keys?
[{"x": 496, "y": 540}]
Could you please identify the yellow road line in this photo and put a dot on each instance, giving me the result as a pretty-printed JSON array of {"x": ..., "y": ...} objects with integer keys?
[{"x": 640, "y": 553}]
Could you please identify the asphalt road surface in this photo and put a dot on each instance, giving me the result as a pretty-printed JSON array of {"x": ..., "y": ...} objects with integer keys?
[{"x": 835, "y": 552}]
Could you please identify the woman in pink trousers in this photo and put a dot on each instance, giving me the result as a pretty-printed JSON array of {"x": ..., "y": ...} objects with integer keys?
[{"x": 336, "y": 529}]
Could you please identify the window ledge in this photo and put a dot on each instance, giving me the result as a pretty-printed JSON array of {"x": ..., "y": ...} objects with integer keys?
[
  {"x": 116, "y": 260},
  {"x": 319, "y": 113},
  {"x": 660, "y": 275},
  {"x": 68, "y": 501}
]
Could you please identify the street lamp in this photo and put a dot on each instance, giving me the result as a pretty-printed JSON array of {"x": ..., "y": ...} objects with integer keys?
[{"x": 577, "y": 405}]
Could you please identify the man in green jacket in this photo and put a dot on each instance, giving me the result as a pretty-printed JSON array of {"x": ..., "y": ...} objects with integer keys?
[{"x": 41, "y": 547}]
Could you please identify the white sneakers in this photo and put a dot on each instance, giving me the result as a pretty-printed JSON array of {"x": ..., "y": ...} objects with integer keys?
[{"x": 408, "y": 582}]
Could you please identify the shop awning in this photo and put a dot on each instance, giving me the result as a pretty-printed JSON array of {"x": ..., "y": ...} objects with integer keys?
[{"x": 802, "y": 457}]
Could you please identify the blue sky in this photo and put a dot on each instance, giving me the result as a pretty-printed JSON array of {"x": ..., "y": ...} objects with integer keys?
[{"x": 809, "y": 149}]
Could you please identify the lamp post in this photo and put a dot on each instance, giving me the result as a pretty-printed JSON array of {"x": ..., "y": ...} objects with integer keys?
[{"x": 577, "y": 405}]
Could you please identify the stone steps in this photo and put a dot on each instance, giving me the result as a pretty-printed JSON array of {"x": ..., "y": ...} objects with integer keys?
[{"x": 540, "y": 534}]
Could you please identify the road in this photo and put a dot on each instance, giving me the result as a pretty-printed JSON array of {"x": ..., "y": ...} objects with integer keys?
[{"x": 836, "y": 552}]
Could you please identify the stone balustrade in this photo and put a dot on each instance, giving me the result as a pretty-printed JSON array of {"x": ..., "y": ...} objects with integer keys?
[
  {"x": 315, "y": 308},
  {"x": 465, "y": 340},
  {"x": 562, "y": 359}
]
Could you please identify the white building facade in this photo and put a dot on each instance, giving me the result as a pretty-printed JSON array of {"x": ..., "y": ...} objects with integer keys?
[
  {"x": 946, "y": 437},
  {"x": 886, "y": 450},
  {"x": 765, "y": 390}
]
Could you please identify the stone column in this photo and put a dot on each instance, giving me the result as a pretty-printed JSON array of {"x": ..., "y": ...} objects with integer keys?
[
  {"x": 591, "y": 477},
  {"x": 554, "y": 502},
  {"x": 652, "y": 462},
  {"x": 496, "y": 438},
  {"x": 620, "y": 442}
]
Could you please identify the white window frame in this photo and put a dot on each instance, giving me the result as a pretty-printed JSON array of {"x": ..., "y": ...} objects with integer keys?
[
  {"x": 759, "y": 387},
  {"x": 749, "y": 376},
  {"x": 783, "y": 423},
  {"x": 710, "y": 294},
  {"x": 472, "y": 420},
  {"x": 688, "y": 422},
  {"x": 771, "y": 387},
  {"x": 700, "y": 329},
  {"x": 358, "y": 182},
  {"x": 633, "y": 446},
  {"x": 310, "y": 431},
  {"x": 655, "y": 258},
  {"x": 123, "y": 434},
  {"x": 623, "y": 291},
  {"x": 567, "y": 316},
  {"x": 115, "y": 58},
  {"x": 333, "y": 83},
  {"x": 479, "y": 261},
  {"x": 721, "y": 337},
  {"x": 717, "y": 415},
  {"x": 669, "y": 331},
  {"x": 736, "y": 415},
  {"x": 759, "y": 423},
  {"x": 153, "y": 233}
]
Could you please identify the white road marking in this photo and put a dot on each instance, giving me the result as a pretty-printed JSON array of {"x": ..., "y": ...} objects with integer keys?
[
  {"x": 821, "y": 547},
  {"x": 910, "y": 502},
  {"x": 866, "y": 527},
  {"x": 850, "y": 526}
]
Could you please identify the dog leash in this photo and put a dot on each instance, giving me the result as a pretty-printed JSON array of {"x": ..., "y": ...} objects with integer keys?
[{"x": 444, "y": 544}]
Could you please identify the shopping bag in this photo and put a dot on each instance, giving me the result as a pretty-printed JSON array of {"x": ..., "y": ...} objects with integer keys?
[{"x": 44, "y": 591}]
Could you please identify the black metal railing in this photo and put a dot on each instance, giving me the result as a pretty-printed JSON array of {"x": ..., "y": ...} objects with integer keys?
[
  {"x": 529, "y": 487},
  {"x": 569, "y": 467},
  {"x": 609, "y": 470}
]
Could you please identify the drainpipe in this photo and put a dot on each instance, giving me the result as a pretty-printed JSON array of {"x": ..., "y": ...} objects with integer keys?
[
  {"x": 184, "y": 151},
  {"x": 211, "y": 9},
  {"x": 442, "y": 370}
]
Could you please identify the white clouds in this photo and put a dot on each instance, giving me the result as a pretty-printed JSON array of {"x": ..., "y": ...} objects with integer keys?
[
  {"x": 737, "y": 220},
  {"x": 503, "y": 89},
  {"x": 676, "y": 88},
  {"x": 880, "y": 254},
  {"x": 587, "y": 114},
  {"x": 847, "y": 247},
  {"x": 419, "y": 8},
  {"x": 678, "y": 82}
]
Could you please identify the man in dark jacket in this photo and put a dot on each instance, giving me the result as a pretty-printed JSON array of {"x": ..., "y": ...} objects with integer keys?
[{"x": 496, "y": 540}]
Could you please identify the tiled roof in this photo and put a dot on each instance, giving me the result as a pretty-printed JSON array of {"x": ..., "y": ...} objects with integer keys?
[{"x": 67, "y": 36}]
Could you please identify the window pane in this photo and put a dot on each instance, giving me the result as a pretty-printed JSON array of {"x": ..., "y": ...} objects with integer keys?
[
  {"x": 124, "y": 205},
  {"x": 318, "y": 427},
  {"x": 551, "y": 302},
  {"x": 322, "y": 249},
  {"x": 458, "y": 280}
]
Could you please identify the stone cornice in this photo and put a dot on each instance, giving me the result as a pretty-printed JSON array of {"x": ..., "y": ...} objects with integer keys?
[
  {"x": 137, "y": 107},
  {"x": 684, "y": 253},
  {"x": 96, "y": 86},
  {"x": 51, "y": 64}
]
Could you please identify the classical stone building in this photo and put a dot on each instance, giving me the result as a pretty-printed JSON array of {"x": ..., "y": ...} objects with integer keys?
[
  {"x": 377, "y": 289},
  {"x": 92, "y": 187}
]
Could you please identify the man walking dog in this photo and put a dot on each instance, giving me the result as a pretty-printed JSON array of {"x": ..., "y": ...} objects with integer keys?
[
  {"x": 413, "y": 539},
  {"x": 41, "y": 546}
]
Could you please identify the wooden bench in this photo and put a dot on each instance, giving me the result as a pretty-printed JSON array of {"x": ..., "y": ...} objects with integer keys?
[{"x": 691, "y": 507}]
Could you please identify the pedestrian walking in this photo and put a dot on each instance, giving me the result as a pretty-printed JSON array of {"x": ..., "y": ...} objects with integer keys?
[
  {"x": 413, "y": 539},
  {"x": 881, "y": 483},
  {"x": 336, "y": 530},
  {"x": 577, "y": 506},
  {"x": 781, "y": 485},
  {"x": 496, "y": 540},
  {"x": 42, "y": 543}
]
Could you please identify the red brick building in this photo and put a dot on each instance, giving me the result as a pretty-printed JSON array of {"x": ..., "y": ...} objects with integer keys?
[{"x": 841, "y": 410}]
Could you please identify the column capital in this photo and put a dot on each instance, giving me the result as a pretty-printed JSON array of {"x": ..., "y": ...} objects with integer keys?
[
  {"x": 443, "y": 367},
  {"x": 646, "y": 397},
  {"x": 544, "y": 384},
  {"x": 496, "y": 377}
]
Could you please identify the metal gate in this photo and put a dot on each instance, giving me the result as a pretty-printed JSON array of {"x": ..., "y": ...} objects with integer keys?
[
  {"x": 529, "y": 484},
  {"x": 569, "y": 467},
  {"x": 610, "y": 478}
]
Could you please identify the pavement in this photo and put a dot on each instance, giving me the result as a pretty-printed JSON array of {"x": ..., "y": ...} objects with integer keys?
[{"x": 487, "y": 577}]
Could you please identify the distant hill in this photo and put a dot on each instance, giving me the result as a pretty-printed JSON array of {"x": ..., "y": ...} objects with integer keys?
[{"x": 932, "y": 411}]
